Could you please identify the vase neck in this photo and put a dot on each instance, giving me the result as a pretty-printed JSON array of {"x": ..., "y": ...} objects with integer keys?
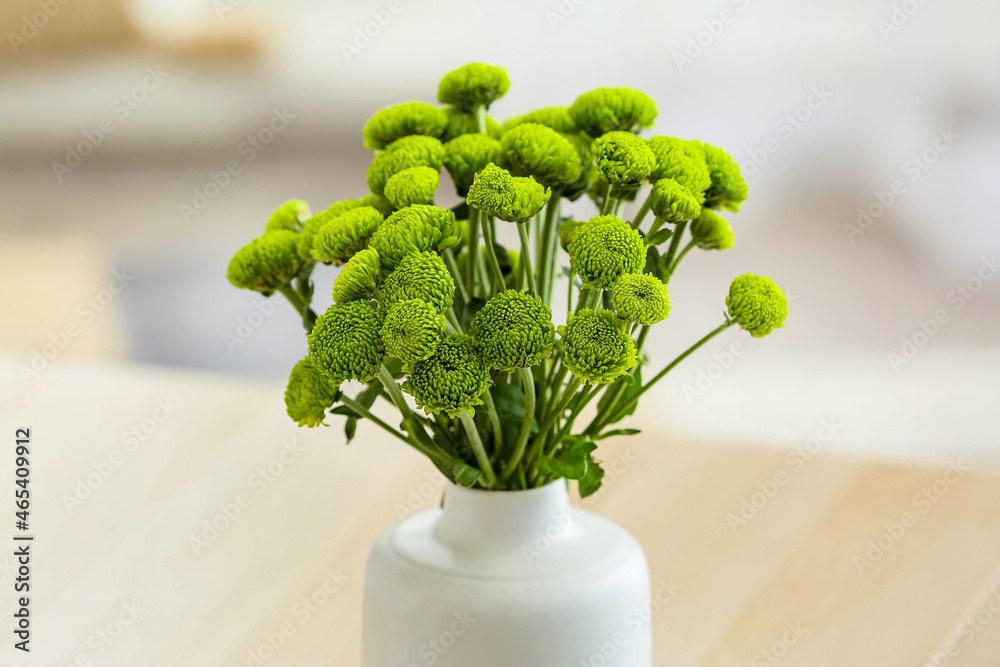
[{"x": 475, "y": 518}]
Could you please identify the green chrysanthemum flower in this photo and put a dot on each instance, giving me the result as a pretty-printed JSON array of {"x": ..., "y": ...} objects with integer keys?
[
  {"x": 641, "y": 298},
  {"x": 379, "y": 203},
  {"x": 728, "y": 189},
  {"x": 416, "y": 228},
  {"x": 452, "y": 380},
  {"x": 757, "y": 304},
  {"x": 510, "y": 198},
  {"x": 345, "y": 343},
  {"x": 557, "y": 118},
  {"x": 340, "y": 238},
  {"x": 266, "y": 263},
  {"x": 312, "y": 226},
  {"x": 412, "y": 331},
  {"x": 467, "y": 155},
  {"x": 309, "y": 394},
  {"x": 584, "y": 146},
  {"x": 289, "y": 215},
  {"x": 531, "y": 149},
  {"x": 461, "y": 123},
  {"x": 711, "y": 232},
  {"x": 514, "y": 329},
  {"x": 596, "y": 347},
  {"x": 606, "y": 249},
  {"x": 415, "y": 185},
  {"x": 473, "y": 85},
  {"x": 415, "y": 151},
  {"x": 608, "y": 109},
  {"x": 358, "y": 278},
  {"x": 403, "y": 120},
  {"x": 673, "y": 202},
  {"x": 623, "y": 157},
  {"x": 420, "y": 275},
  {"x": 683, "y": 161}
]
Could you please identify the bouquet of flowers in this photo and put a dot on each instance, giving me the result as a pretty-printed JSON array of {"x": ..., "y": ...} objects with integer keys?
[{"x": 428, "y": 304}]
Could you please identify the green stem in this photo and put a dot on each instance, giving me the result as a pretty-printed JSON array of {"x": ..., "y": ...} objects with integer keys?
[
  {"x": 589, "y": 297},
  {"x": 491, "y": 256},
  {"x": 643, "y": 210},
  {"x": 452, "y": 320},
  {"x": 548, "y": 232},
  {"x": 528, "y": 387},
  {"x": 675, "y": 242},
  {"x": 367, "y": 414},
  {"x": 655, "y": 227},
  {"x": 300, "y": 306},
  {"x": 472, "y": 266},
  {"x": 585, "y": 398},
  {"x": 480, "y": 114},
  {"x": 449, "y": 259},
  {"x": 569, "y": 293},
  {"x": 609, "y": 203},
  {"x": 554, "y": 414},
  {"x": 522, "y": 231},
  {"x": 494, "y": 419},
  {"x": 676, "y": 263},
  {"x": 477, "y": 448},
  {"x": 419, "y": 438},
  {"x": 598, "y": 422},
  {"x": 618, "y": 414},
  {"x": 553, "y": 247}
]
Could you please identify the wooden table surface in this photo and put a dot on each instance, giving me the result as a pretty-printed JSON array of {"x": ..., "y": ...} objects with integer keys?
[{"x": 832, "y": 562}]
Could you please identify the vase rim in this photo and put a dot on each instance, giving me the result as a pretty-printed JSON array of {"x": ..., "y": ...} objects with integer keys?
[{"x": 450, "y": 486}]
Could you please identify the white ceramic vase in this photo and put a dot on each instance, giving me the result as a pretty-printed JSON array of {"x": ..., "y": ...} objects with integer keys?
[{"x": 506, "y": 579}]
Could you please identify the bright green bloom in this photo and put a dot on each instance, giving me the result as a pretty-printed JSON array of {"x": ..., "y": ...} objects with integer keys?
[
  {"x": 606, "y": 249},
  {"x": 416, "y": 228},
  {"x": 452, "y": 380},
  {"x": 379, "y": 203},
  {"x": 473, "y": 85},
  {"x": 358, "y": 278},
  {"x": 711, "y": 232},
  {"x": 557, "y": 118},
  {"x": 414, "y": 151},
  {"x": 403, "y": 120},
  {"x": 683, "y": 161},
  {"x": 584, "y": 146},
  {"x": 673, "y": 202},
  {"x": 266, "y": 263},
  {"x": 412, "y": 330},
  {"x": 312, "y": 226},
  {"x": 309, "y": 394},
  {"x": 534, "y": 150},
  {"x": 607, "y": 109},
  {"x": 623, "y": 157},
  {"x": 640, "y": 298},
  {"x": 345, "y": 343},
  {"x": 420, "y": 275},
  {"x": 514, "y": 329},
  {"x": 461, "y": 123},
  {"x": 568, "y": 231},
  {"x": 757, "y": 304},
  {"x": 510, "y": 198},
  {"x": 596, "y": 346},
  {"x": 728, "y": 189},
  {"x": 341, "y": 237},
  {"x": 467, "y": 155},
  {"x": 415, "y": 185},
  {"x": 289, "y": 215}
]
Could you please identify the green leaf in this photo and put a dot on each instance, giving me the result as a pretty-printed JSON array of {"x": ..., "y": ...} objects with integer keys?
[
  {"x": 616, "y": 432},
  {"x": 365, "y": 398},
  {"x": 465, "y": 475},
  {"x": 660, "y": 236},
  {"x": 652, "y": 261},
  {"x": 571, "y": 459},
  {"x": 591, "y": 481}
]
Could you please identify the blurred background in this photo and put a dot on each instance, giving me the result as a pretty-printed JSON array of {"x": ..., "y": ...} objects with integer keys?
[{"x": 143, "y": 142}]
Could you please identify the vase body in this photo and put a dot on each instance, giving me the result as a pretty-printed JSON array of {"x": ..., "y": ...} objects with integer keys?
[{"x": 506, "y": 579}]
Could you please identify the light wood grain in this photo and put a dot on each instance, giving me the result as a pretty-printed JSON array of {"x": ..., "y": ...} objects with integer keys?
[{"x": 734, "y": 591}]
